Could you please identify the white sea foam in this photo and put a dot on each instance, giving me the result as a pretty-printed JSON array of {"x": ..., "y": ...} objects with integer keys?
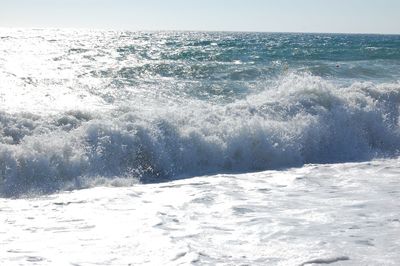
[
  {"x": 344, "y": 214},
  {"x": 301, "y": 119}
]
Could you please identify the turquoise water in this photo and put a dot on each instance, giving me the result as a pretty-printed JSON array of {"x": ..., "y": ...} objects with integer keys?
[
  {"x": 254, "y": 56},
  {"x": 228, "y": 64},
  {"x": 80, "y": 107}
]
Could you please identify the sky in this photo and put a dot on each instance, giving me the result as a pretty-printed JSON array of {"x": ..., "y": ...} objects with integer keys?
[{"x": 343, "y": 16}]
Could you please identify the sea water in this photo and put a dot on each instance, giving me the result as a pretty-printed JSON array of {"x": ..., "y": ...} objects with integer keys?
[{"x": 198, "y": 148}]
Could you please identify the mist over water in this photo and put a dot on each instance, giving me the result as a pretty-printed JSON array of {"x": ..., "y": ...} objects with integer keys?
[{"x": 86, "y": 107}]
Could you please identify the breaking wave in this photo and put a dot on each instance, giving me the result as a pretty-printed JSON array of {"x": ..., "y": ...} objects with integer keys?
[{"x": 300, "y": 119}]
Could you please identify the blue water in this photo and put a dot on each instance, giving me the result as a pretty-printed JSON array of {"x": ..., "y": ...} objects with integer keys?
[{"x": 82, "y": 106}]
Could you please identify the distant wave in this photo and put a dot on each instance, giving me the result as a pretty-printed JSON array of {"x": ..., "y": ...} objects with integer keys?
[{"x": 301, "y": 119}]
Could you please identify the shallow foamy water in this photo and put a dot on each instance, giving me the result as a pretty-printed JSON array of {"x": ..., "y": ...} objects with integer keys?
[{"x": 347, "y": 214}]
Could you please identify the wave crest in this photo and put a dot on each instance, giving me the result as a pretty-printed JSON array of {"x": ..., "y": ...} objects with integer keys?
[{"x": 302, "y": 119}]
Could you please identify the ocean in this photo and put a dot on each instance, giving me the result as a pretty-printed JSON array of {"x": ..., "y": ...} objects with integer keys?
[{"x": 199, "y": 148}]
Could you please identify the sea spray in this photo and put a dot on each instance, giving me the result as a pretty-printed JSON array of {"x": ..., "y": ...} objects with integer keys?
[{"x": 303, "y": 119}]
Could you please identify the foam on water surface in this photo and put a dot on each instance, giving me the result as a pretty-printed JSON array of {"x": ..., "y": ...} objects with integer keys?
[
  {"x": 344, "y": 214},
  {"x": 301, "y": 119}
]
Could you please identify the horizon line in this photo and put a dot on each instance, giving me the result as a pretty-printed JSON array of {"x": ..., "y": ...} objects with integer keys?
[{"x": 188, "y": 30}]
